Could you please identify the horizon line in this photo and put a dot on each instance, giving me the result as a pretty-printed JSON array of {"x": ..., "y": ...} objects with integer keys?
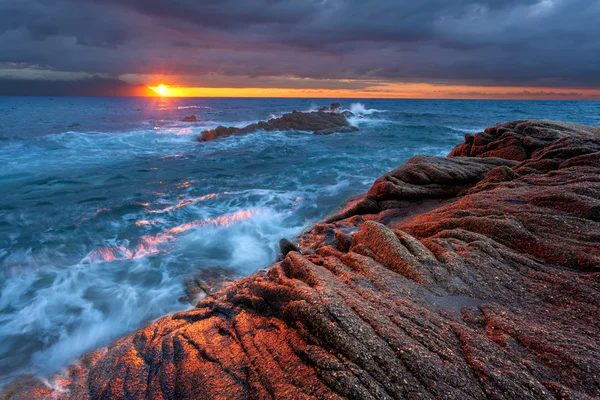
[{"x": 311, "y": 97}]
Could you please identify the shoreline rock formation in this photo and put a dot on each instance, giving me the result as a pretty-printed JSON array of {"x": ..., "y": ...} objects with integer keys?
[
  {"x": 323, "y": 122},
  {"x": 473, "y": 276}
]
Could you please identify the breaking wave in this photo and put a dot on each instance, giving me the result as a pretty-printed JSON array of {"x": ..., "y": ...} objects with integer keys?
[
  {"x": 194, "y": 108},
  {"x": 360, "y": 109}
]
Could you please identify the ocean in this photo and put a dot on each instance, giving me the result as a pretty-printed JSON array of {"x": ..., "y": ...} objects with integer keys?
[{"x": 108, "y": 204}]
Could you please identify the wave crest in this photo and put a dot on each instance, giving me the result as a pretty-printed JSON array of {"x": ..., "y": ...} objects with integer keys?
[{"x": 360, "y": 109}]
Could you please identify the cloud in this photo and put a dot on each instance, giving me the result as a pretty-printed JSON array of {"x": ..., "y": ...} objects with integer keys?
[
  {"x": 91, "y": 86},
  {"x": 545, "y": 43}
]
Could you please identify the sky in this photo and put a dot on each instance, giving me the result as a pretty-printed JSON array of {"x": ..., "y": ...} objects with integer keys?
[{"x": 535, "y": 49}]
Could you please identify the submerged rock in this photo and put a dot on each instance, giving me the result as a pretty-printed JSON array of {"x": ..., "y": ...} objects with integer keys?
[
  {"x": 191, "y": 118},
  {"x": 461, "y": 277},
  {"x": 318, "y": 122}
]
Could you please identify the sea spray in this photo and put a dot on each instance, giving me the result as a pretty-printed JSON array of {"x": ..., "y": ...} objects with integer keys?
[{"x": 360, "y": 109}]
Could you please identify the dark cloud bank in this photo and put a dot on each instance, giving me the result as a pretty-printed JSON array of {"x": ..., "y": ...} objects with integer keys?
[
  {"x": 80, "y": 87},
  {"x": 548, "y": 43}
]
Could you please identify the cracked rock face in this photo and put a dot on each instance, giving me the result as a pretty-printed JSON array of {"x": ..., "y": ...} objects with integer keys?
[{"x": 463, "y": 277}]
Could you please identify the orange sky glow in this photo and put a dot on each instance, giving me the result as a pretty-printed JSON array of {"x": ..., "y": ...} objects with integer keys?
[{"x": 387, "y": 90}]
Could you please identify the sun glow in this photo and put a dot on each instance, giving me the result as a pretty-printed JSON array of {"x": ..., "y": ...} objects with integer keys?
[
  {"x": 161, "y": 90},
  {"x": 385, "y": 90}
]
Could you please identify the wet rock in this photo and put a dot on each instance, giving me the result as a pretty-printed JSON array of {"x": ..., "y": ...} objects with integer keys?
[
  {"x": 191, "y": 118},
  {"x": 286, "y": 246},
  {"x": 462, "y": 277},
  {"x": 319, "y": 122},
  {"x": 206, "y": 282}
]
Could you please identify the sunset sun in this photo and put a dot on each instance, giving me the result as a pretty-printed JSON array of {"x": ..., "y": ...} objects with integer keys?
[{"x": 162, "y": 90}]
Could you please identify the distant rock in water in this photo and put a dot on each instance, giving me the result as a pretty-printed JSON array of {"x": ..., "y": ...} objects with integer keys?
[
  {"x": 318, "y": 122},
  {"x": 332, "y": 108},
  {"x": 191, "y": 118},
  {"x": 475, "y": 276}
]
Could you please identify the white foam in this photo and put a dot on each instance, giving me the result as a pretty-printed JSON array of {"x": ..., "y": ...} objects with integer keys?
[
  {"x": 87, "y": 305},
  {"x": 360, "y": 109},
  {"x": 65, "y": 151},
  {"x": 466, "y": 130},
  {"x": 194, "y": 108}
]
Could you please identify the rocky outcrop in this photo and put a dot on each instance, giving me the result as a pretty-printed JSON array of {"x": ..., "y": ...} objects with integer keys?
[
  {"x": 191, "y": 118},
  {"x": 318, "y": 122},
  {"x": 333, "y": 107},
  {"x": 518, "y": 140},
  {"x": 452, "y": 278}
]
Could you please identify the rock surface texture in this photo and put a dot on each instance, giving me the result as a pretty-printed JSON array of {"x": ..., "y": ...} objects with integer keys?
[
  {"x": 470, "y": 277},
  {"x": 318, "y": 122}
]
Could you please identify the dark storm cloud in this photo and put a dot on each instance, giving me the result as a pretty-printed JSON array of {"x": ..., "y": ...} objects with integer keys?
[
  {"x": 92, "y": 86},
  {"x": 487, "y": 42},
  {"x": 87, "y": 24}
]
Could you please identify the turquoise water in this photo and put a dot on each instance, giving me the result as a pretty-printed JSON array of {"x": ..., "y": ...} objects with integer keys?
[{"x": 109, "y": 203}]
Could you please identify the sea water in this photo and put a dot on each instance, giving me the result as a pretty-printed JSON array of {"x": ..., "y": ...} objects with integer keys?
[{"x": 108, "y": 204}]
